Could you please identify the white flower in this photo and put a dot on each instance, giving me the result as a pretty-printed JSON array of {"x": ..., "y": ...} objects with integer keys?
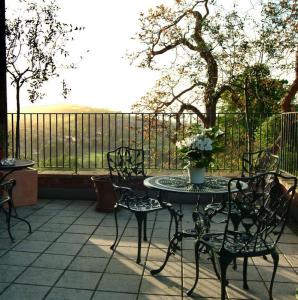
[
  {"x": 199, "y": 144},
  {"x": 208, "y": 147},
  {"x": 193, "y": 146},
  {"x": 208, "y": 144},
  {"x": 179, "y": 145},
  {"x": 218, "y": 133},
  {"x": 189, "y": 141}
]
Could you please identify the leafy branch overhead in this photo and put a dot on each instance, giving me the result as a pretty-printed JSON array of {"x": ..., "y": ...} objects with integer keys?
[
  {"x": 37, "y": 45},
  {"x": 201, "y": 48},
  {"x": 37, "y": 49}
]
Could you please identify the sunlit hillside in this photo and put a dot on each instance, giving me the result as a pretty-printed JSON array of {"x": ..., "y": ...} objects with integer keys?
[{"x": 64, "y": 108}]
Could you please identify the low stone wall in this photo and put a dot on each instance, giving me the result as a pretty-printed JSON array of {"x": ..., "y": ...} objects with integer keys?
[
  {"x": 80, "y": 187},
  {"x": 66, "y": 186}
]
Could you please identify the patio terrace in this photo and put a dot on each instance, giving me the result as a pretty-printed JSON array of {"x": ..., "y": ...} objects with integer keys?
[{"x": 67, "y": 256}]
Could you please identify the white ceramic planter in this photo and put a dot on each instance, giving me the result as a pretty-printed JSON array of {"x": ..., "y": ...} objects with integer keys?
[{"x": 196, "y": 175}]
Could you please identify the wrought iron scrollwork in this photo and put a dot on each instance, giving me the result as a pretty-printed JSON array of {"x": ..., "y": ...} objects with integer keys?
[
  {"x": 126, "y": 166},
  {"x": 255, "y": 221}
]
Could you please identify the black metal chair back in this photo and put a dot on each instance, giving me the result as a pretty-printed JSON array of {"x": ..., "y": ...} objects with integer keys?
[
  {"x": 254, "y": 163},
  {"x": 260, "y": 212},
  {"x": 126, "y": 166}
]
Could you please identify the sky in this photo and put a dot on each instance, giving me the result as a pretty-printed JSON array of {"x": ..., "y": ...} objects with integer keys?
[{"x": 104, "y": 78}]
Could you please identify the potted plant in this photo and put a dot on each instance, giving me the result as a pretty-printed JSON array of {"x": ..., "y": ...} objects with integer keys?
[
  {"x": 106, "y": 198},
  {"x": 197, "y": 150}
]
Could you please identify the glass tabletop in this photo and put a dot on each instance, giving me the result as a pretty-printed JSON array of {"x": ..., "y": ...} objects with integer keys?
[{"x": 180, "y": 184}]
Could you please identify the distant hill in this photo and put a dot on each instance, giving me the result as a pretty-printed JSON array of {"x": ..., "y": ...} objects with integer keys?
[{"x": 64, "y": 108}]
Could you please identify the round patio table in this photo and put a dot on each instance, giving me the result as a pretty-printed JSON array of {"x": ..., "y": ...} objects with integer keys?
[
  {"x": 9, "y": 166},
  {"x": 179, "y": 184},
  {"x": 213, "y": 185}
]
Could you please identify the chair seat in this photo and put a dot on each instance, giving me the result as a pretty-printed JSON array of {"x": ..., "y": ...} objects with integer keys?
[
  {"x": 140, "y": 203},
  {"x": 213, "y": 208},
  {"x": 237, "y": 243}
]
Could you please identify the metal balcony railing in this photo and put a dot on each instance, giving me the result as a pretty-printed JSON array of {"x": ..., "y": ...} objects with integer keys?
[
  {"x": 289, "y": 143},
  {"x": 80, "y": 141}
]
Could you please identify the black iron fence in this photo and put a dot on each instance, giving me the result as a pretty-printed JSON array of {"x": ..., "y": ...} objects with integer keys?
[
  {"x": 80, "y": 141},
  {"x": 289, "y": 143}
]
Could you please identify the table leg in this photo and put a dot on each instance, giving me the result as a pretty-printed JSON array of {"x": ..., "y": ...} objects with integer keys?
[{"x": 163, "y": 198}]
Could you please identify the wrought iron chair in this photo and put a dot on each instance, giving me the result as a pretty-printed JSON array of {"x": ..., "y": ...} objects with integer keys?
[
  {"x": 261, "y": 213},
  {"x": 261, "y": 161},
  {"x": 253, "y": 163},
  {"x": 126, "y": 166},
  {"x": 6, "y": 188}
]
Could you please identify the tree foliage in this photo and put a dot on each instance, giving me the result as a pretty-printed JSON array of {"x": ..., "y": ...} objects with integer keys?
[
  {"x": 37, "y": 49},
  {"x": 202, "y": 49},
  {"x": 264, "y": 93}
]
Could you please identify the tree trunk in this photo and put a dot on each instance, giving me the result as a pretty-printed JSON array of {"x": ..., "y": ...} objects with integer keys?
[
  {"x": 210, "y": 115},
  {"x": 17, "y": 139},
  {"x": 248, "y": 118}
]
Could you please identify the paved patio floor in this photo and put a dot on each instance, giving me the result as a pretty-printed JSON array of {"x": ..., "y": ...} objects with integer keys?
[{"x": 68, "y": 257}]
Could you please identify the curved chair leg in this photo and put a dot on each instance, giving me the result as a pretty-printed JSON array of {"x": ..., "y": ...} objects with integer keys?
[
  {"x": 235, "y": 264},
  {"x": 12, "y": 204},
  {"x": 214, "y": 265},
  {"x": 245, "y": 286},
  {"x": 116, "y": 221},
  {"x": 236, "y": 226},
  {"x": 170, "y": 227},
  {"x": 15, "y": 210},
  {"x": 197, "y": 257},
  {"x": 8, "y": 217},
  {"x": 224, "y": 263},
  {"x": 275, "y": 257},
  {"x": 173, "y": 245},
  {"x": 169, "y": 252},
  {"x": 140, "y": 218},
  {"x": 145, "y": 228},
  {"x": 21, "y": 219}
]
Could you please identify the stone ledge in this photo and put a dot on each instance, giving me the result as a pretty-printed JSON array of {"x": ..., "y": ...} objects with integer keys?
[{"x": 66, "y": 186}]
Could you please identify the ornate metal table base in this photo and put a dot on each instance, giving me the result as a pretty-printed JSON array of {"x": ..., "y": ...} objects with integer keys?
[{"x": 179, "y": 184}]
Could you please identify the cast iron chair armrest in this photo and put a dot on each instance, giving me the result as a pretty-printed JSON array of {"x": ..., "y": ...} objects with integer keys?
[
  {"x": 122, "y": 188},
  {"x": 7, "y": 186},
  {"x": 124, "y": 193},
  {"x": 7, "y": 183}
]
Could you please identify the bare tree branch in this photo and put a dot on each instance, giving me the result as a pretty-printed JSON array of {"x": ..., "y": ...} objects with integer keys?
[
  {"x": 177, "y": 96},
  {"x": 192, "y": 108},
  {"x": 167, "y": 48}
]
